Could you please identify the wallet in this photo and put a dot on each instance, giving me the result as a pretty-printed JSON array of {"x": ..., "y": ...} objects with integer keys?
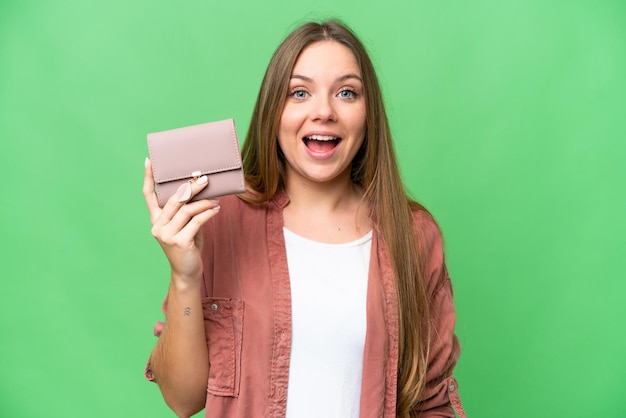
[{"x": 211, "y": 149}]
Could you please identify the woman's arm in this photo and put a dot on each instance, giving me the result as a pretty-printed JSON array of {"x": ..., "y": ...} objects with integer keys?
[{"x": 179, "y": 362}]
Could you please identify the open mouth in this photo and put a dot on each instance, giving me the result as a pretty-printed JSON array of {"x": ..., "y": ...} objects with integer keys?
[{"x": 321, "y": 143}]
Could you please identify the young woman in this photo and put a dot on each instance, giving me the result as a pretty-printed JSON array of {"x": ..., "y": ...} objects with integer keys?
[{"x": 322, "y": 291}]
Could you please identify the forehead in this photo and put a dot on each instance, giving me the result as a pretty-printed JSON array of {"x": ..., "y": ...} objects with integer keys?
[{"x": 326, "y": 58}]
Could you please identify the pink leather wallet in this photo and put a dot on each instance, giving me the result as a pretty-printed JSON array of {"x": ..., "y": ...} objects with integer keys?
[{"x": 210, "y": 149}]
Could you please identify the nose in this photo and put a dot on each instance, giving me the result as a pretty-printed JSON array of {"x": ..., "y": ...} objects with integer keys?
[{"x": 323, "y": 109}]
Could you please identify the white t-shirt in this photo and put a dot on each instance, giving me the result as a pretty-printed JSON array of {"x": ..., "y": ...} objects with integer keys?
[{"x": 328, "y": 302}]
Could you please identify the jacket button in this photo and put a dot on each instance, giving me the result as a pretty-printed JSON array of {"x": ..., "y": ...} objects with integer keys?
[{"x": 214, "y": 307}]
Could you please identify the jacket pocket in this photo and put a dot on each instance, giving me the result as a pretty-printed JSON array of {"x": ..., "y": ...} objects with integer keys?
[{"x": 223, "y": 322}]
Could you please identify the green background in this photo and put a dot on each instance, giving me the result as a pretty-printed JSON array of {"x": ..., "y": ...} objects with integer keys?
[{"x": 509, "y": 119}]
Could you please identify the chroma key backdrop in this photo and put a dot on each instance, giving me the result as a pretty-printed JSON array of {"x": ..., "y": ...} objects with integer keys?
[{"x": 509, "y": 119}]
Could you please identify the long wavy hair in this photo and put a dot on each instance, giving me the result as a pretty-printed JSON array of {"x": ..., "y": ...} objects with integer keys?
[{"x": 374, "y": 169}]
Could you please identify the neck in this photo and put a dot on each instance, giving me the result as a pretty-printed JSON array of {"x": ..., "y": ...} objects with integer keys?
[
  {"x": 326, "y": 197},
  {"x": 331, "y": 212}
]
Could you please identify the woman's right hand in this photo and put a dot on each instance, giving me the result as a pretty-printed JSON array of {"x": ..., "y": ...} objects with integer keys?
[{"x": 177, "y": 225}]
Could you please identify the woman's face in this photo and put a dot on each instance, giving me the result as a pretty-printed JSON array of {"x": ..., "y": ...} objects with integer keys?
[{"x": 323, "y": 122}]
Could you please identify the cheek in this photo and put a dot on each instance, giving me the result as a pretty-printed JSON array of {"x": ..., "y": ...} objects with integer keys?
[
  {"x": 290, "y": 120},
  {"x": 358, "y": 121},
  {"x": 354, "y": 114},
  {"x": 287, "y": 130}
]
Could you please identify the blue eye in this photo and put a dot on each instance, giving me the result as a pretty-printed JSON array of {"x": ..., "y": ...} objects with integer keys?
[
  {"x": 299, "y": 94},
  {"x": 347, "y": 94}
]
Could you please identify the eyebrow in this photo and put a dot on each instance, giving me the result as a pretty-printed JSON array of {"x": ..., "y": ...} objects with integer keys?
[{"x": 342, "y": 78}]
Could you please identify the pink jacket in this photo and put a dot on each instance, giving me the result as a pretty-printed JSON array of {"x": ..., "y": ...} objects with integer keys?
[{"x": 247, "y": 311}]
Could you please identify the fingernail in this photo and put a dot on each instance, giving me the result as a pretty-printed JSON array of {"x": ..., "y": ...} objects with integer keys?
[
  {"x": 202, "y": 180},
  {"x": 216, "y": 201},
  {"x": 145, "y": 163},
  {"x": 184, "y": 192},
  {"x": 216, "y": 208}
]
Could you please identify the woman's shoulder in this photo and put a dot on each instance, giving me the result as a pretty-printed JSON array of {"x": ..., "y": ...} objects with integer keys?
[
  {"x": 429, "y": 242},
  {"x": 424, "y": 222}
]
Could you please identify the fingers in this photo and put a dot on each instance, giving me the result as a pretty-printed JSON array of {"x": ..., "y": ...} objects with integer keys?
[
  {"x": 178, "y": 222},
  {"x": 190, "y": 229},
  {"x": 182, "y": 232},
  {"x": 148, "y": 192},
  {"x": 191, "y": 188},
  {"x": 189, "y": 212},
  {"x": 185, "y": 192}
]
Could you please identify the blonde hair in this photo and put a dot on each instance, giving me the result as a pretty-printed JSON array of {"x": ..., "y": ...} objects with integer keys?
[{"x": 375, "y": 169}]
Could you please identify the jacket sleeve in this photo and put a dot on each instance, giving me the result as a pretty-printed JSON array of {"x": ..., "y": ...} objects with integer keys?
[{"x": 440, "y": 398}]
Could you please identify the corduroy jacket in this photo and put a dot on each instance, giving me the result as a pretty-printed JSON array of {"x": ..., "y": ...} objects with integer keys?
[{"x": 247, "y": 312}]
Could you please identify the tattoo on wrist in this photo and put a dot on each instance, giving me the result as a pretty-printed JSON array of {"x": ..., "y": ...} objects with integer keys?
[{"x": 187, "y": 311}]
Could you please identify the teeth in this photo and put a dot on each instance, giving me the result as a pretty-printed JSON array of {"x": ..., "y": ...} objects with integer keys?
[{"x": 322, "y": 138}]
